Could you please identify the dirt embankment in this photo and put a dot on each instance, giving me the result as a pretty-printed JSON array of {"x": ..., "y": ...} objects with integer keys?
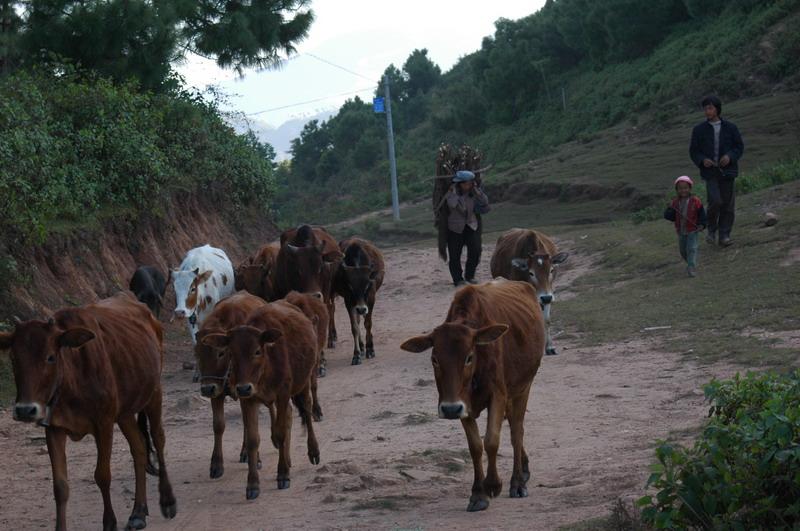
[{"x": 88, "y": 264}]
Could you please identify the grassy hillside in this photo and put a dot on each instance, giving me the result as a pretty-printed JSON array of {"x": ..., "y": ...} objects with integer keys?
[{"x": 506, "y": 100}]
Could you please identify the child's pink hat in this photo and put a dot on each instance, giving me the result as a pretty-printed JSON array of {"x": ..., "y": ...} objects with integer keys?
[{"x": 684, "y": 179}]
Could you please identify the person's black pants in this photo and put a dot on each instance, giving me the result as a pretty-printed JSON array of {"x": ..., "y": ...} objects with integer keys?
[
  {"x": 455, "y": 245},
  {"x": 721, "y": 205}
]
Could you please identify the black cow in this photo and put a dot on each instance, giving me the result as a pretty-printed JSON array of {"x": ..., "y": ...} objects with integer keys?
[{"x": 149, "y": 285}]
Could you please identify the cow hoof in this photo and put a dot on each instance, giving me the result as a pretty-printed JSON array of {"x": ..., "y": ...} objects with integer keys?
[
  {"x": 356, "y": 359},
  {"x": 111, "y": 525},
  {"x": 370, "y": 353},
  {"x": 243, "y": 457},
  {"x": 519, "y": 492},
  {"x": 331, "y": 343},
  {"x": 492, "y": 488},
  {"x": 136, "y": 522},
  {"x": 550, "y": 351},
  {"x": 322, "y": 372},
  {"x": 151, "y": 469},
  {"x": 196, "y": 377},
  {"x": 317, "y": 415},
  {"x": 479, "y": 504},
  {"x": 169, "y": 510},
  {"x": 216, "y": 471},
  {"x": 252, "y": 493},
  {"x": 258, "y": 466},
  {"x": 314, "y": 458},
  {"x": 283, "y": 483}
]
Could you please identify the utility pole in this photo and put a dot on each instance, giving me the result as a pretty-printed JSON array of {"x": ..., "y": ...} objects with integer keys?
[{"x": 392, "y": 161}]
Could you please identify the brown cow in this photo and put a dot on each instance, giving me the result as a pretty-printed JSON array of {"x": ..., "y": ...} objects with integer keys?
[
  {"x": 79, "y": 373},
  {"x": 273, "y": 360},
  {"x": 306, "y": 262},
  {"x": 485, "y": 355},
  {"x": 256, "y": 275},
  {"x": 317, "y": 313},
  {"x": 357, "y": 280},
  {"x": 214, "y": 368},
  {"x": 530, "y": 256}
]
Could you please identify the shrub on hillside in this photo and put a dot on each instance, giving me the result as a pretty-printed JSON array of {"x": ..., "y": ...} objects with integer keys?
[
  {"x": 74, "y": 147},
  {"x": 744, "y": 470}
]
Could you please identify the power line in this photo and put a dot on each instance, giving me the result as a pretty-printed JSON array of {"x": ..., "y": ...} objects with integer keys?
[
  {"x": 338, "y": 66},
  {"x": 311, "y": 101}
]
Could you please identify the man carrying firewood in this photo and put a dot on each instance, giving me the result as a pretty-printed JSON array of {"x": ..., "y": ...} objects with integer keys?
[{"x": 465, "y": 201}]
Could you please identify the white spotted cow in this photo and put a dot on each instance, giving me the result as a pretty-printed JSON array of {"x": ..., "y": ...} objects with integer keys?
[{"x": 204, "y": 278}]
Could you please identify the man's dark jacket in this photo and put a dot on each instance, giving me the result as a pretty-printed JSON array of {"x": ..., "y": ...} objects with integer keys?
[{"x": 702, "y": 147}]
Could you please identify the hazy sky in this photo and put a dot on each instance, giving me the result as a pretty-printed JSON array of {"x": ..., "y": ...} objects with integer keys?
[{"x": 363, "y": 36}]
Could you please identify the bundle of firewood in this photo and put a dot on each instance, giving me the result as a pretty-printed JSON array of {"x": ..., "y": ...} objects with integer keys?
[{"x": 448, "y": 162}]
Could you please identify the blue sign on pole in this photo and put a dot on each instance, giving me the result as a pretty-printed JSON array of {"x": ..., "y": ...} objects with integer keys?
[{"x": 377, "y": 105}]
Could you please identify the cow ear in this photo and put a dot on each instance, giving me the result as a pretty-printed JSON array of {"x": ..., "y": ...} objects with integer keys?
[
  {"x": 218, "y": 341},
  {"x": 205, "y": 276},
  {"x": 6, "y": 339},
  {"x": 560, "y": 258},
  {"x": 490, "y": 333},
  {"x": 75, "y": 337},
  {"x": 196, "y": 271},
  {"x": 373, "y": 274},
  {"x": 520, "y": 264},
  {"x": 417, "y": 344},
  {"x": 270, "y": 336}
]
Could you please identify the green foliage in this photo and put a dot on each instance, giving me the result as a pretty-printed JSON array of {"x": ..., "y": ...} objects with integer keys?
[
  {"x": 63, "y": 160},
  {"x": 744, "y": 471},
  {"x": 139, "y": 39},
  {"x": 780, "y": 173}
]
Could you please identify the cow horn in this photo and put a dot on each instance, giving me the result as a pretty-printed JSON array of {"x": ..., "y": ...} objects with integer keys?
[
  {"x": 16, "y": 320},
  {"x": 292, "y": 248}
]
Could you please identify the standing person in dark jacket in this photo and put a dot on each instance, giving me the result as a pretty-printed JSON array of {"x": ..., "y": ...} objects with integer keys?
[
  {"x": 716, "y": 148},
  {"x": 464, "y": 200}
]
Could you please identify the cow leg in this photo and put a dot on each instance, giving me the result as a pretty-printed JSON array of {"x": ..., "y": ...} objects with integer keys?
[
  {"x": 217, "y": 467},
  {"x": 250, "y": 418},
  {"x": 166, "y": 498},
  {"x": 151, "y": 453},
  {"x": 104, "y": 438},
  {"x": 56, "y": 447},
  {"x": 130, "y": 429},
  {"x": 478, "y": 501},
  {"x": 302, "y": 401},
  {"x": 549, "y": 349},
  {"x": 368, "y": 327},
  {"x": 283, "y": 434},
  {"x": 332, "y": 335},
  {"x": 316, "y": 408},
  {"x": 273, "y": 420},
  {"x": 354, "y": 329},
  {"x": 492, "y": 484},
  {"x": 243, "y": 452},
  {"x": 322, "y": 365},
  {"x": 516, "y": 420}
]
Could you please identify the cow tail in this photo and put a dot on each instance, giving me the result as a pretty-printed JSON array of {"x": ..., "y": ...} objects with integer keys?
[
  {"x": 144, "y": 429},
  {"x": 300, "y": 403}
]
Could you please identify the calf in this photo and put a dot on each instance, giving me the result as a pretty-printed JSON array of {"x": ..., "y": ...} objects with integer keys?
[
  {"x": 317, "y": 313},
  {"x": 81, "y": 372},
  {"x": 485, "y": 355},
  {"x": 530, "y": 256},
  {"x": 306, "y": 262},
  {"x": 149, "y": 285},
  {"x": 358, "y": 279},
  {"x": 214, "y": 366},
  {"x": 273, "y": 357},
  {"x": 257, "y": 274},
  {"x": 204, "y": 278}
]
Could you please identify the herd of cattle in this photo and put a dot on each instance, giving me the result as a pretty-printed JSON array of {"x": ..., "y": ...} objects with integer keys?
[{"x": 259, "y": 336}]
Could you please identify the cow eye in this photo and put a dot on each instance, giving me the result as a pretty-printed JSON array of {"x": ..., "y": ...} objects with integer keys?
[
  {"x": 469, "y": 360},
  {"x": 194, "y": 288},
  {"x": 220, "y": 354},
  {"x": 257, "y": 353},
  {"x": 51, "y": 359},
  {"x": 434, "y": 362}
]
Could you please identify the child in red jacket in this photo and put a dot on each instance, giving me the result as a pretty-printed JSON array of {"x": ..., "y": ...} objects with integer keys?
[{"x": 687, "y": 211}]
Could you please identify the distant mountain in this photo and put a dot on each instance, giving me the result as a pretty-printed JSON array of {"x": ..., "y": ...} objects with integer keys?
[{"x": 279, "y": 137}]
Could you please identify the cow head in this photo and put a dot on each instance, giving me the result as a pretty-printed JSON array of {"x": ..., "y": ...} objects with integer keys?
[
  {"x": 456, "y": 351},
  {"x": 190, "y": 292},
  {"x": 359, "y": 280},
  {"x": 248, "y": 347},
  {"x": 305, "y": 265},
  {"x": 153, "y": 300},
  {"x": 213, "y": 364},
  {"x": 37, "y": 349},
  {"x": 540, "y": 271},
  {"x": 254, "y": 278}
]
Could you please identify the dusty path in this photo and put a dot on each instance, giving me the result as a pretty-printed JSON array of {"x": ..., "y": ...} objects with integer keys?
[{"x": 387, "y": 461}]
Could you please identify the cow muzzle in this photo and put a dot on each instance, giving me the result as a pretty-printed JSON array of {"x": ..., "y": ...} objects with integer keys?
[
  {"x": 178, "y": 314},
  {"x": 316, "y": 295},
  {"x": 210, "y": 390},
  {"x": 28, "y": 412},
  {"x": 546, "y": 299},
  {"x": 244, "y": 390},
  {"x": 362, "y": 310},
  {"x": 452, "y": 410}
]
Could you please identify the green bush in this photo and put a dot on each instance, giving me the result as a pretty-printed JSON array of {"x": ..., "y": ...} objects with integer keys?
[
  {"x": 744, "y": 471},
  {"x": 73, "y": 147}
]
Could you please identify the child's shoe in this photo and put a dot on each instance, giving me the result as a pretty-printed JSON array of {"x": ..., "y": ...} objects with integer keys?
[{"x": 691, "y": 271}]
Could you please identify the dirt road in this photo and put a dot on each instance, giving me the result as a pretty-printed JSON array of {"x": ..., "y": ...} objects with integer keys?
[{"x": 387, "y": 461}]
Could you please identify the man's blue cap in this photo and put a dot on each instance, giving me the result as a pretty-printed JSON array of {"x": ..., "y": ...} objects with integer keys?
[{"x": 463, "y": 176}]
